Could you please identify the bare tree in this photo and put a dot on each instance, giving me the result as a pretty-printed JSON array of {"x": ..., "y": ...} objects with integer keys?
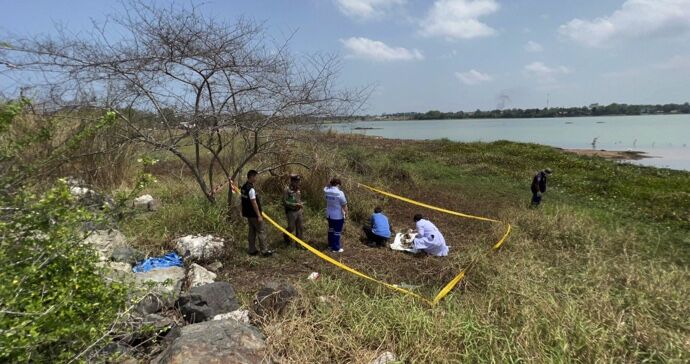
[{"x": 217, "y": 95}]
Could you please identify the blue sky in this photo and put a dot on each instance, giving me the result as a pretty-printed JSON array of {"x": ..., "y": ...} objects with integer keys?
[{"x": 452, "y": 55}]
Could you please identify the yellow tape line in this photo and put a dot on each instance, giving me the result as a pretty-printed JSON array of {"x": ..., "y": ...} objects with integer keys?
[
  {"x": 339, "y": 264},
  {"x": 448, "y": 287},
  {"x": 444, "y": 291}
]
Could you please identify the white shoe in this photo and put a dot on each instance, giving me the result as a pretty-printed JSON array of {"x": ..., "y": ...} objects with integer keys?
[{"x": 339, "y": 251}]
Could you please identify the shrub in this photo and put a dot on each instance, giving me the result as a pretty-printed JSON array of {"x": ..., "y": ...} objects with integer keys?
[{"x": 53, "y": 302}]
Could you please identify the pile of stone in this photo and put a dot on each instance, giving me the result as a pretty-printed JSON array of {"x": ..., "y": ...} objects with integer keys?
[{"x": 196, "y": 319}]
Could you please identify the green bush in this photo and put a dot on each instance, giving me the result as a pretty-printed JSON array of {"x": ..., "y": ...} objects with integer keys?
[
  {"x": 53, "y": 301},
  {"x": 55, "y": 304}
]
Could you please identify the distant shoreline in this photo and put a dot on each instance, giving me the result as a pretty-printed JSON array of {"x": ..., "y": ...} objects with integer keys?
[
  {"x": 373, "y": 119},
  {"x": 609, "y": 154}
]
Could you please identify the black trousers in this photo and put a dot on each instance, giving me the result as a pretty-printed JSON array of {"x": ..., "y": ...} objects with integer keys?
[{"x": 373, "y": 238}]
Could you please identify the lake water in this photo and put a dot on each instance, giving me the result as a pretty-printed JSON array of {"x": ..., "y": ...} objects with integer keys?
[{"x": 666, "y": 138}]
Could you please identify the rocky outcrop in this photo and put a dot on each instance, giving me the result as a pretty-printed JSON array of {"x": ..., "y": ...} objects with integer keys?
[
  {"x": 223, "y": 341},
  {"x": 126, "y": 254},
  {"x": 105, "y": 242},
  {"x": 198, "y": 276},
  {"x": 237, "y": 315},
  {"x": 199, "y": 247},
  {"x": 273, "y": 298},
  {"x": 202, "y": 303},
  {"x": 164, "y": 286}
]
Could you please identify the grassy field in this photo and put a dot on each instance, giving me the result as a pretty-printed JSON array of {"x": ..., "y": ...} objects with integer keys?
[{"x": 599, "y": 273}]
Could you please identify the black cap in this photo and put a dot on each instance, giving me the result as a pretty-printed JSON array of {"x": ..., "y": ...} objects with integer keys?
[{"x": 295, "y": 177}]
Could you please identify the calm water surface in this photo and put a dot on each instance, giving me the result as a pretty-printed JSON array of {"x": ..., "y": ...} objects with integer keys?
[{"x": 664, "y": 137}]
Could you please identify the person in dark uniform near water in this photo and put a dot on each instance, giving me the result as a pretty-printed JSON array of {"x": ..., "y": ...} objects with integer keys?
[
  {"x": 539, "y": 185},
  {"x": 251, "y": 209}
]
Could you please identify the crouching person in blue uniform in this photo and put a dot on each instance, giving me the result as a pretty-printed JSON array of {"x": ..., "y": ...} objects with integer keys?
[
  {"x": 429, "y": 239},
  {"x": 380, "y": 230}
]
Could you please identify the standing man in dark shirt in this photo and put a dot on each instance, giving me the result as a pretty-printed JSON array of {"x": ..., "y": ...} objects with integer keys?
[
  {"x": 251, "y": 209},
  {"x": 292, "y": 200},
  {"x": 539, "y": 185}
]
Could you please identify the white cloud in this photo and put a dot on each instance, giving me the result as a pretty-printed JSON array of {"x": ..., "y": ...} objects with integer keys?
[
  {"x": 543, "y": 73},
  {"x": 635, "y": 19},
  {"x": 366, "y": 9},
  {"x": 375, "y": 50},
  {"x": 473, "y": 77},
  {"x": 458, "y": 19},
  {"x": 533, "y": 47},
  {"x": 675, "y": 63}
]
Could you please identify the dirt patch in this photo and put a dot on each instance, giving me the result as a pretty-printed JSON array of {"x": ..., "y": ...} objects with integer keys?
[{"x": 467, "y": 239}]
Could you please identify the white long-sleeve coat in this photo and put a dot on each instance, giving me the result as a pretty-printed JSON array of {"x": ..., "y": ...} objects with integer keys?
[{"x": 429, "y": 239}]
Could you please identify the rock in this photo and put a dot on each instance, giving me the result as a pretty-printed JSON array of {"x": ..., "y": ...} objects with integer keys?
[
  {"x": 80, "y": 192},
  {"x": 145, "y": 202},
  {"x": 202, "y": 303},
  {"x": 104, "y": 242},
  {"x": 159, "y": 323},
  {"x": 224, "y": 341},
  {"x": 117, "y": 351},
  {"x": 198, "y": 276},
  {"x": 74, "y": 181},
  {"x": 126, "y": 254},
  {"x": 199, "y": 247},
  {"x": 237, "y": 315},
  {"x": 215, "y": 266},
  {"x": 150, "y": 304},
  {"x": 385, "y": 358},
  {"x": 143, "y": 329},
  {"x": 166, "y": 285},
  {"x": 328, "y": 299},
  {"x": 117, "y": 272},
  {"x": 91, "y": 198},
  {"x": 273, "y": 298}
]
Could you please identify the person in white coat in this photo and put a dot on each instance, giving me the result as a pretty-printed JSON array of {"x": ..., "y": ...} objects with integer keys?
[{"x": 429, "y": 239}]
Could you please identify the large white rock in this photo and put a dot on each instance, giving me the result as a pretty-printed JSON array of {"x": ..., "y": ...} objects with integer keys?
[
  {"x": 199, "y": 247},
  {"x": 104, "y": 242},
  {"x": 237, "y": 315},
  {"x": 198, "y": 275},
  {"x": 81, "y": 191},
  {"x": 145, "y": 202}
]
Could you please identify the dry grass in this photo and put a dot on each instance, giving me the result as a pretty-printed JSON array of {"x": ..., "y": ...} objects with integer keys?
[{"x": 576, "y": 282}]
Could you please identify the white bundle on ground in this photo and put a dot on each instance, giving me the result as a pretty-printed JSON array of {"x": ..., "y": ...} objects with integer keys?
[{"x": 402, "y": 243}]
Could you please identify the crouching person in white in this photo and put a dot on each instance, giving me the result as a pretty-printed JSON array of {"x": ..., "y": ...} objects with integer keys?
[{"x": 429, "y": 239}]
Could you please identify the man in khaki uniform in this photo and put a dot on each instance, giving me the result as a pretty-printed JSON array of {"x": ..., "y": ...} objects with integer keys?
[{"x": 292, "y": 200}]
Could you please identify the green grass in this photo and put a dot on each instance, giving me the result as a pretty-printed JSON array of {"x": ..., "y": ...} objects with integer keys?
[{"x": 599, "y": 273}]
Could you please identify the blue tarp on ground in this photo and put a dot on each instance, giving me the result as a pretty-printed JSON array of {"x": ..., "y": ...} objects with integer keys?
[{"x": 166, "y": 261}]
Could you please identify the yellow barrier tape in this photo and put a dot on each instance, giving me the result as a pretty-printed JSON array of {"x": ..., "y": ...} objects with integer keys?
[
  {"x": 448, "y": 287},
  {"x": 339, "y": 264},
  {"x": 443, "y": 292}
]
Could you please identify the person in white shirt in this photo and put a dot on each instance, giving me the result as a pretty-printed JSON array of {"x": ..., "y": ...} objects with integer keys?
[
  {"x": 429, "y": 239},
  {"x": 336, "y": 213}
]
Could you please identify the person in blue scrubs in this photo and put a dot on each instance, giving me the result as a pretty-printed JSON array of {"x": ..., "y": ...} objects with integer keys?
[{"x": 380, "y": 230}]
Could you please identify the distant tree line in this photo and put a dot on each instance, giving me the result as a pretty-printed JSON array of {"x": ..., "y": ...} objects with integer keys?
[{"x": 592, "y": 110}]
